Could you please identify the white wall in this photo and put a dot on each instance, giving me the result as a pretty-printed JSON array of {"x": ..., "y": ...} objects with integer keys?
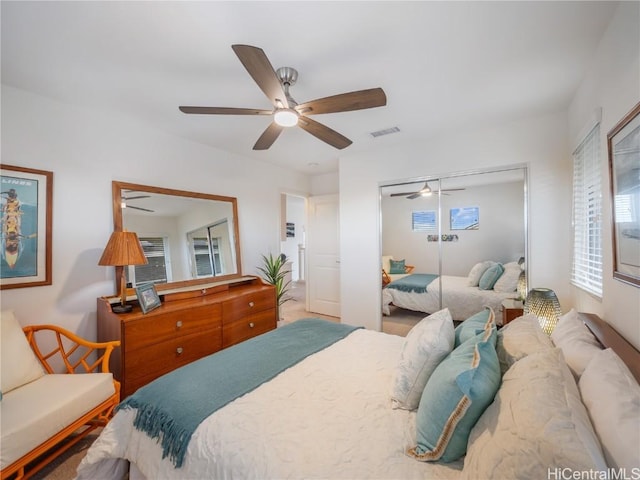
[
  {"x": 500, "y": 237},
  {"x": 613, "y": 84},
  {"x": 86, "y": 150},
  {"x": 540, "y": 143}
]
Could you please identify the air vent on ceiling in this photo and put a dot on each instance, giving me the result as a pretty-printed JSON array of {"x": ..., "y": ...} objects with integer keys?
[{"x": 386, "y": 131}]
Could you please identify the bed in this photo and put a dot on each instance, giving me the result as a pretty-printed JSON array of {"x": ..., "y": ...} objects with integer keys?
[
  {"x": 421, "y": 293},
  {"x": 329, "y": 414}
]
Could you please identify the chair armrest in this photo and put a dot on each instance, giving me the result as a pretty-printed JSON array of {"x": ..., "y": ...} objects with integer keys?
[
  {"x": 408, "y": 268},
  {"x": 74, "y": 351}
]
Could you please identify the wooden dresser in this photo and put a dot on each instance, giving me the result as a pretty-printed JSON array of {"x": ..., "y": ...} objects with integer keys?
[{"x": 189, "y": 324}]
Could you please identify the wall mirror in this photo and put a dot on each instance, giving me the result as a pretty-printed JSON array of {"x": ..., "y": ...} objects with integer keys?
[
  {"x": 442, "y": 227},
  {"x": 189, "y": 238}
]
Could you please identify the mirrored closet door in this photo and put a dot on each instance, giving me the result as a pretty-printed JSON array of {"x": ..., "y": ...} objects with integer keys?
[{"x": 444, "y": 227}]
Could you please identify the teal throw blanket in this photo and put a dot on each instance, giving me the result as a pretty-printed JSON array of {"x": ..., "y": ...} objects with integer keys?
[
  {"x": 171, "y": 407},
  {"x": 416, "y": 282}
]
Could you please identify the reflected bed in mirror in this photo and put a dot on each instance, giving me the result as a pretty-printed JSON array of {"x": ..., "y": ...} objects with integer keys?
[{"x": 188, "y": 238}]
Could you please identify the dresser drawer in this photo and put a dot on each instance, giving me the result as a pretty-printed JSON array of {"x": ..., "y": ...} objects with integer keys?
[
  {"x": 248, "y": 327},
  {"x": 156, "y": 328},
  {"x": 146, "y": 364},
  {"x": 247, "y": 304}
]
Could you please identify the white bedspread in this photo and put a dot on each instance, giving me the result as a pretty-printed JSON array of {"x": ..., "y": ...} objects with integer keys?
[
  {"x": 329, "y": 416},
  {"x": 461, "y": 299}
]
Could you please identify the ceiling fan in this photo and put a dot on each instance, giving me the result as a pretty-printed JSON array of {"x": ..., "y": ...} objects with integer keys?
[
  {"x": 124, "y": 204},
  {"x": 286, "y": 111},
  {"x": 424, "y": 192}
]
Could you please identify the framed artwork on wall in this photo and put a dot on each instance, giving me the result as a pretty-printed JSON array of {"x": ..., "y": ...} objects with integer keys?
[
  {"x": 26, "y": 198},
  {"x": 465, "y": 218},
  {"x": 291, "y": 229},
  {"x": 623, "y": 144}
]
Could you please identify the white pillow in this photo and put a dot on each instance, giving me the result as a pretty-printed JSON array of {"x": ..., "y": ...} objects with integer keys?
[
  {"x": 519, "y": 338},
  {"x": 18, "y": 364},
  {"x": 425, "y": 346},
  {"x": 576, "y": 341},
  {"x": 476, "y": 272},
  {"x": 612, "y": 398},
  {"x": 535, "y": 425},
  {"x": 508, "y": 281}
]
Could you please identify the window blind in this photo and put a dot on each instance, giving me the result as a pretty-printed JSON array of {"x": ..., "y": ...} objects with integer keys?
[
  {"x": 587, "y": 214},
  {"x": 155, "y": 271}
]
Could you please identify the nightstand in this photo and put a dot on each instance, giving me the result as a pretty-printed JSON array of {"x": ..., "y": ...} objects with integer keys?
[{"x": 511, "y": 309}]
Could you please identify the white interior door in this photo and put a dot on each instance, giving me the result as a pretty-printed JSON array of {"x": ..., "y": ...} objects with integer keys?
[{"x": 323, "y": 252}]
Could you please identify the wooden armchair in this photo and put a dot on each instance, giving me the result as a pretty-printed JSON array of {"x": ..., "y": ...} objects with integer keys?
[
  {"x": 388, "y": 277},
  {"x": 77, "y": 357}
]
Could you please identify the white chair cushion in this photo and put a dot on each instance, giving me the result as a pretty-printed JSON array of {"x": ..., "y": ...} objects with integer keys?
[
  {"x": 19, "y": 365},
  {"x": 612, "y": 398},
  {"x": 38, "y": 410},
  {"x": 386, "y": 262}
]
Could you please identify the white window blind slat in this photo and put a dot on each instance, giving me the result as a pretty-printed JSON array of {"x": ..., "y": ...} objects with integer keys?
[{"x": 586, "y": 272}]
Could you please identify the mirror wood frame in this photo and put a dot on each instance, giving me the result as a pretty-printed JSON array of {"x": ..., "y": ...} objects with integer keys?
[{"x": 117, "y": 189}]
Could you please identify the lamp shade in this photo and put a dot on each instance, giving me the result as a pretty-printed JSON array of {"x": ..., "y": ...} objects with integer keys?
[
  {"x": 123, "y": 249},
  {"x": 522, "y": 285},
  {"x": 544, "y": 304}
]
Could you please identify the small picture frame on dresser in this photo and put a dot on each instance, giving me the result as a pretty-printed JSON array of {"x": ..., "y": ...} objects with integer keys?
[{"x": 147, "y": 297}]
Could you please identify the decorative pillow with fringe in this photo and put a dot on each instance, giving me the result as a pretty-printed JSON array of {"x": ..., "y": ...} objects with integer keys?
[{"x": 456, "y": 395}]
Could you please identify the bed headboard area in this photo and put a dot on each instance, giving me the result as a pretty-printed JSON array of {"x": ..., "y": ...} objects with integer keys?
[{"x": 610, "y": 338}]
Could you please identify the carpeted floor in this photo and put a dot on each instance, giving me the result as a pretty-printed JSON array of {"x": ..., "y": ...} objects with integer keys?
[{"x": 398, "y": 323}]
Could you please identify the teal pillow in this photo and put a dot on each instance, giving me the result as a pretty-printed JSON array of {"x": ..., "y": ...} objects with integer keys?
[
  {"x": 474, "y": 325},
  {"x": 490, "y": 277},
  {"x": 457, "y": 393},
  {"x": 396, "y": 266}
]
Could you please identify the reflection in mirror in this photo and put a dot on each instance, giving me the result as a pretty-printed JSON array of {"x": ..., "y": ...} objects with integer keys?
[
  {"x": 443, "y": 227},
  {"x": 187, "y": 237}
]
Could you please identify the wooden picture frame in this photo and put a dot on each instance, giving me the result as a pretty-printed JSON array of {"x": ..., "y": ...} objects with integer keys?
[
  {"x": 26, "y": 227},
  {"x": 623, "y": 145},
  {"x": 147, "y": 297}
]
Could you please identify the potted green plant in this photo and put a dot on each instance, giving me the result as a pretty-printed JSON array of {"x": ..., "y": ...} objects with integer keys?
[{"x": 274, "y": 273}]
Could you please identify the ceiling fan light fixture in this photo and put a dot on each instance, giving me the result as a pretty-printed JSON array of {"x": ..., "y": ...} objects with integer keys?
[
  {"x": 426, "y": 191},
  {"x": 286, "y": 117}
]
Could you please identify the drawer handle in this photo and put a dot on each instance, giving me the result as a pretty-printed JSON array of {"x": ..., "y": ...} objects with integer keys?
[
  {"x": 179, "y": 350},
  {"x": 179, "y": 324},
  {"x": 251, "y": 324},
  {"x": 251, "y": 304}
]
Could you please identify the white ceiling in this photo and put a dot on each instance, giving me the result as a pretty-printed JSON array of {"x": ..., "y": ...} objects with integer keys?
[{"x": 443, "y": 65}]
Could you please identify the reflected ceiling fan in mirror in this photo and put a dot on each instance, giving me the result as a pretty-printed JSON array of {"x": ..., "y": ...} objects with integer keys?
[
  {"x": 424, "y": 192},
  {"x": 286, "y": 111},
  {"x": 124, "y": 202}
]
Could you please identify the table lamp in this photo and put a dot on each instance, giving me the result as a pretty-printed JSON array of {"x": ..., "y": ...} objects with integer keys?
[
  {"x": 544, "y": 304},
  {"x": 123, "y": 249}
]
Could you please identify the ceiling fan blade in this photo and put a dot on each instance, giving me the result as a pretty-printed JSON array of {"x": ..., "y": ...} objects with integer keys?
[
  {"x": 137, "y": 197},
  {"x": 259, "y": 67},
  {"x": 403, "y": 194},
  {"x": 414, "y": 195},
  {"x": 139, "y": 208},
  {"x": 225, "y": 111},
  {"x": 269, "y": 136},
  {"x": 345, "y": 102},
  {"x": 452, "y": 189},
  {"x": 324, "y": 133}
]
